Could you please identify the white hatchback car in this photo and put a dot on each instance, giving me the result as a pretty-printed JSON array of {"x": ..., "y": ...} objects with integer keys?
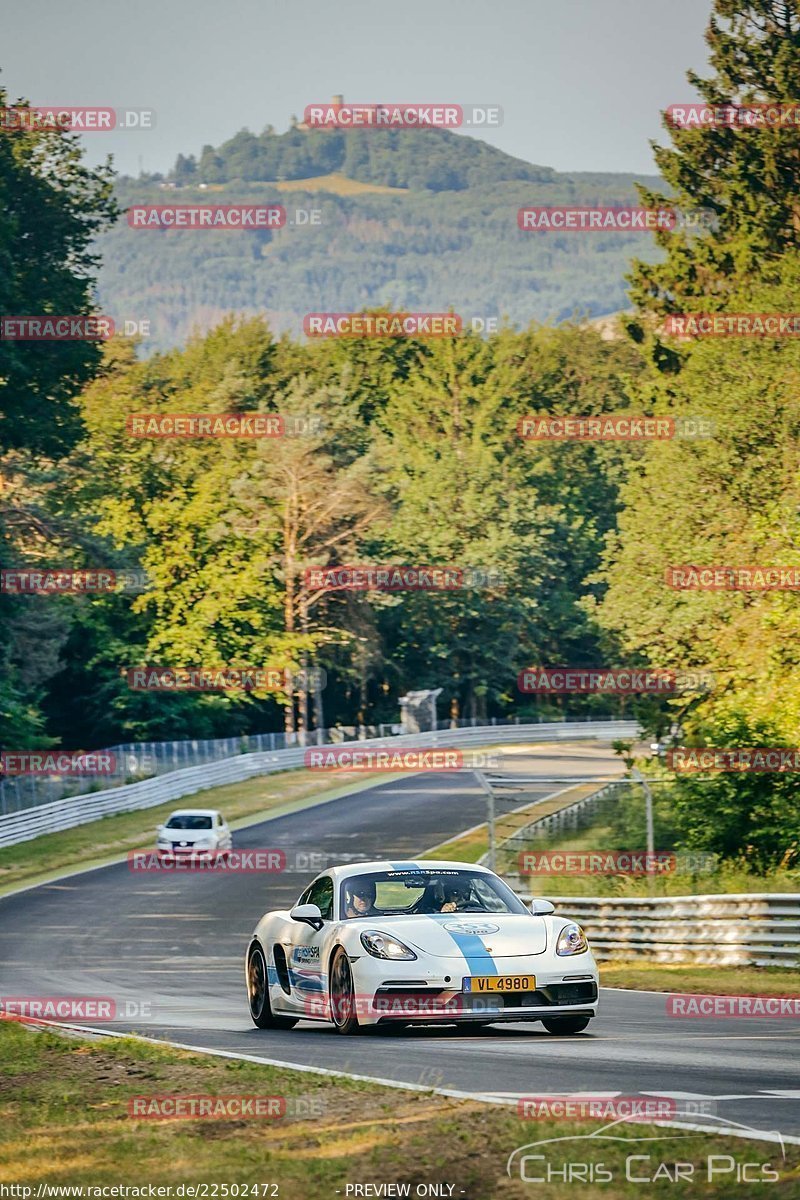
[{"x": 194, "y": 831}]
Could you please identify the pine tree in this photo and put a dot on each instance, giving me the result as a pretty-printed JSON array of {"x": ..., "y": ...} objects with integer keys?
[{"x": 746, "y": 176}]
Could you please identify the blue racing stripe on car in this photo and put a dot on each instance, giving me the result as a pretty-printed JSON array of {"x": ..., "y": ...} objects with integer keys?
[
  {"x": 474, "y": 952},
  {"x": 471, "y": 945}
]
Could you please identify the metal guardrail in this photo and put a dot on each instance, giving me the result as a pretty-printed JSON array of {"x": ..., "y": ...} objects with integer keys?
[
  {"x": 758, "y": 929},
  {"x": 136, "y": 761},
  {"x": 572, "y": 815},
  {"x": 80, "y": 810},
  {"x": 754, "y": 929}
]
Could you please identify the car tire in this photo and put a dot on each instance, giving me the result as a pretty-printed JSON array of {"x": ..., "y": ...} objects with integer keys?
[
  {"x": 566, "y": 1025},
  {"x": 342, "y": 994},
  {"x": 258, "y": 993}
]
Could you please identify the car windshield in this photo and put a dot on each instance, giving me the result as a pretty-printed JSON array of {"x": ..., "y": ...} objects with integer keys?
[
  {"x": 189, "y": 821},
  {"x": 413, "y": 893}
]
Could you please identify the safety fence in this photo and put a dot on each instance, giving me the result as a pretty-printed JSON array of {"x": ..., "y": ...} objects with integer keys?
[
  {"x": 757, "y": 929},
  {"x": 68, "y": 812},
  {"x": 743, "y": 930},
  {"x": 133, "y": 762}
]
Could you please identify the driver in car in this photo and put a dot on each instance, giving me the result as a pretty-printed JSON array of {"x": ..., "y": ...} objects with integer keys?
[
  {"x": 457, "y": 895},
  {"x": 359, "y": 896}
]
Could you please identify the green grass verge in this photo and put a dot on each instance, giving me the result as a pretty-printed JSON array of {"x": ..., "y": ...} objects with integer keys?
[
  {"x": 64, "y": 1120},
  {"x": 708, "y": 981},
  {"x": 469, "y": 847},
  {"x": 729, "y": 877},
  {"x": 103, "y": 840}
]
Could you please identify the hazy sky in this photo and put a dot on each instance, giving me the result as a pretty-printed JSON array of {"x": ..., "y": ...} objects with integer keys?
[{"x": 581, "y": 82}]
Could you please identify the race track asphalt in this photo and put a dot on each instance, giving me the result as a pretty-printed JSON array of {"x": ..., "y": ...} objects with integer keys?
[{"x": 168, "y": 949}]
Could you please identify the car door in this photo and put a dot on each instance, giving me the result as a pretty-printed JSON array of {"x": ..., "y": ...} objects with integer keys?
[{"x": 304, "y": 950}]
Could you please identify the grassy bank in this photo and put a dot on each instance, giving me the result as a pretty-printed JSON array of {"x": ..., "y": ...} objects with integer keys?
[
  {"x": 263, "y": 796},
  {"x": 727, "y": 877},
  {"x": 717, "y": 981},
  {"x": 64, "y": 1119},
  {"x": 112, "y": 836}
]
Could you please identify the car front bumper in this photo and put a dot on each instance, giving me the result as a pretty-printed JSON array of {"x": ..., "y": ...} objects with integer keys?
[{"x": 401, "y": 991}]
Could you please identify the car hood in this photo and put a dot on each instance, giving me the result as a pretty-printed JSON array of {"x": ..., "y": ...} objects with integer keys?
[
  {"x": 190, "y": 836},
  {"x": 470, "y": 935}
]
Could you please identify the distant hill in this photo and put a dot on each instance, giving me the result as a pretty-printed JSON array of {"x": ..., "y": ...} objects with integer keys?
[
  {"x": 431, "y": 159},
  {"x": 423, "y": 220}
]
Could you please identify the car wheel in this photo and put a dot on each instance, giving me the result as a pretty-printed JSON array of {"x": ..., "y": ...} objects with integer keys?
[
  {"x": 258, "y": 994},
  {"x": 343, "y": 999},
  {"x": 566, "y": 1025}
]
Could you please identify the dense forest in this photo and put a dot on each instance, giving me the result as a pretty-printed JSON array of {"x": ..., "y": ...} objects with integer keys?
[
  {"x": 414, "y": 458},
  {"x": 418, "y": 249}
]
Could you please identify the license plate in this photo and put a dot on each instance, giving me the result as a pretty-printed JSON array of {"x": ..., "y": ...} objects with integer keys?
[{"x": 500, "y": 983}]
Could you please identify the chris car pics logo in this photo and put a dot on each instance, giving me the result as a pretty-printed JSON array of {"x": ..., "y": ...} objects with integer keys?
[{"x": 614, "y": 1153}]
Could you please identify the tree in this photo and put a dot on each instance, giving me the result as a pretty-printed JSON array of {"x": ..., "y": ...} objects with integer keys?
[
  {"x": 747, "y": 177},
  {"x": 185, "y": 169},
  {"x": 53, "y": 208}
]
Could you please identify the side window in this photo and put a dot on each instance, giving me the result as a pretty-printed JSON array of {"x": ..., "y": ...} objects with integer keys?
[
  {"x": 305, "y": 897},
  {"x": 321, "y": 894}
]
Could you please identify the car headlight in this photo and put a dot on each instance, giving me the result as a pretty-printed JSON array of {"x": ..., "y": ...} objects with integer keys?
[
  {"x": 571, "y": 940},
  {"x": 381, "y": 945}
]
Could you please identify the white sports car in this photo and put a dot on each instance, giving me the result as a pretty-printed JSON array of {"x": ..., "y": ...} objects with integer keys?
[{"x": 415, "y": 942}]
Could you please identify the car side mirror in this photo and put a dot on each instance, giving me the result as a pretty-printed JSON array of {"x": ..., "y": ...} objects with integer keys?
[
  {"x": 541, "y": 908},
  {"x": 309, "y": 914}
]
